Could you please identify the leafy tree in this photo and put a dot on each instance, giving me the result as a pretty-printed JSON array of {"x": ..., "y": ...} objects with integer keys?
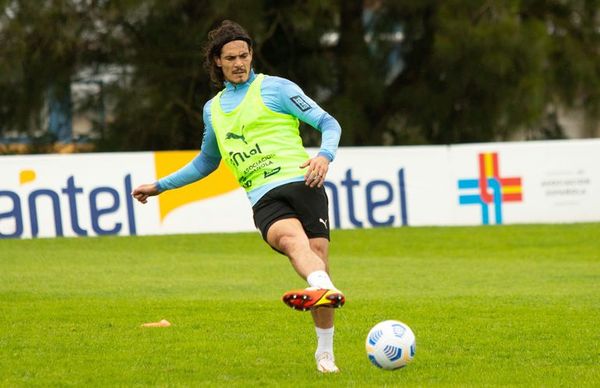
[
  {"x": 410, "y": 72},
  {"x": 160, "y": 106},
  {"x": 480, "y": 71},
  {"x": 41, "y": 44}
]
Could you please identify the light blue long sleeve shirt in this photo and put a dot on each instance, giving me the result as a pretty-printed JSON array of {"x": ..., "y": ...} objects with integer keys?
[{"x": 280, "y": 95}]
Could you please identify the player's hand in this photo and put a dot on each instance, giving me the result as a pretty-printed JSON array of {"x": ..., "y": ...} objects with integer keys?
[
  {"x": 316, "y": 170},
  {"x": 142, "y": 192}
]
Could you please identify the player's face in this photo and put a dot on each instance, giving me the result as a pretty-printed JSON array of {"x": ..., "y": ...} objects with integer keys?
[{"x": 235, "y": 61}]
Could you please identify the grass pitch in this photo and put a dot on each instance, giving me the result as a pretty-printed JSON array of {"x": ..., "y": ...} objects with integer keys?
[{"x": 501, "y": 305}]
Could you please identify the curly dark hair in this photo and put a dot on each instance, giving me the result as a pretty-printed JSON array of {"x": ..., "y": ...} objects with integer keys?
[{"x": 226, "y": 32}]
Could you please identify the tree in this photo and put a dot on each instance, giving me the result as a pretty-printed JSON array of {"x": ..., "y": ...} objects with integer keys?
[
  {"x": 410, "y": 72},
  {"x": 482, "y": 71},
  {"x": 41, "y": 44}
]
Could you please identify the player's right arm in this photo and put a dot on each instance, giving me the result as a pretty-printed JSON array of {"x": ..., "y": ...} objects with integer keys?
[{"x": 201, "y": 166}]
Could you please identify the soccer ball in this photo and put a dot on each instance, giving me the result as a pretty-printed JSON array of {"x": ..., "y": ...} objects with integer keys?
[{"x": 390, "y": 345}]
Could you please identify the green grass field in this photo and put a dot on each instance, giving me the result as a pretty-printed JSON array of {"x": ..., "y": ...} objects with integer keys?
[{"x": 501, "y": 305}]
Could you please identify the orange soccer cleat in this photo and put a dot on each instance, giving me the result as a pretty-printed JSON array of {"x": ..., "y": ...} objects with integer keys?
[{"x": 311, "y": 298}]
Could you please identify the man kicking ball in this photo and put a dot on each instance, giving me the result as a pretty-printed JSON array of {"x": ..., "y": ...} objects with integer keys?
[{"x": 253, "y": 126}]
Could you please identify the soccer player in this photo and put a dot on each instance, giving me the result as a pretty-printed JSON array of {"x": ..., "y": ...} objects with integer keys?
[{"x": 252, "y": 125}]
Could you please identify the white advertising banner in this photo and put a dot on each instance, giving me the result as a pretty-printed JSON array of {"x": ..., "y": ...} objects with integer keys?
[
  {"x": 475, "y": 184},
  {"x": 528, "y": 182},
  {"x": 70, "y": 195},
  {"x": 389, "y": 186}
]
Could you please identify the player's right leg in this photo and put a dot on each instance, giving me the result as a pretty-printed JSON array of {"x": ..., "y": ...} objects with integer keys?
[
  {"x": 322, "y": 292},
  {"x": 282, "y": 229},
  {"x": 288, "y": 237}
]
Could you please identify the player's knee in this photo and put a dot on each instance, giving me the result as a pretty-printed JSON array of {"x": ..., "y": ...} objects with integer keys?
[{"x": 288, "y": 243}]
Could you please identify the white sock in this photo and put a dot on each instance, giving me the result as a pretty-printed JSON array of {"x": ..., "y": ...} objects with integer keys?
[
  {"x": 324, "y": 340},
  {"x": 320, "y": 279}
]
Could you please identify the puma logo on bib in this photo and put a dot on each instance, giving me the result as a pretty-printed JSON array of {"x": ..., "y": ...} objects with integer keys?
[{"x": 231, "y": 135}]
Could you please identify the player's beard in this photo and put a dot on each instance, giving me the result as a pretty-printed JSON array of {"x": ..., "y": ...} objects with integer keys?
[{"x": 240, "y": 75}]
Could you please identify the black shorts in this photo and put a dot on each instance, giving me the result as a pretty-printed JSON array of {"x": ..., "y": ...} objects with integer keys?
[{"x": 294, "y": 200}]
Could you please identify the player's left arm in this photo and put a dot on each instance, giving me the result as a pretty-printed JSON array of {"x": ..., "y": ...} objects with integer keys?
[{"x": 284, "y": 96}]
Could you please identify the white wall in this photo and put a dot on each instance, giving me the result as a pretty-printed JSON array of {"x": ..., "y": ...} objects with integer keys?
[{"x": 525, "y": 182}]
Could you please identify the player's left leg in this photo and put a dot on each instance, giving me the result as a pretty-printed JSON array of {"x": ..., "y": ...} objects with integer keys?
[{"x": 323, "y": 317}]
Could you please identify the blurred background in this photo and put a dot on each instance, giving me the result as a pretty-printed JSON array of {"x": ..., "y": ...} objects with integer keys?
[{"x": 100, "y": 75}]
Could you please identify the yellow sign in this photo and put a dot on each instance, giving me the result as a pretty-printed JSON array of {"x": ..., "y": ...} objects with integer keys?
[{"x": 219, "y": 182}]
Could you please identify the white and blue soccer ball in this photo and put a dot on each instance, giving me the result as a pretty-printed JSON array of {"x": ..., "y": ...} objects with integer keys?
[{"x": 391, "y": 345}]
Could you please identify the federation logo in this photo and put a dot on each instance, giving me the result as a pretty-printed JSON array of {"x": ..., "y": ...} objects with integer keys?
[
  {"x": 490, "y": 190},
  {"x": 300, "y": 103}
]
